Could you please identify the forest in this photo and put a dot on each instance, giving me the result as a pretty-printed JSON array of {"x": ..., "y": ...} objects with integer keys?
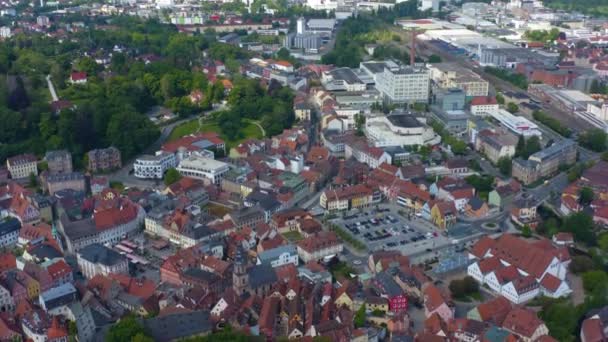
[{"x": 110, "y": 109}]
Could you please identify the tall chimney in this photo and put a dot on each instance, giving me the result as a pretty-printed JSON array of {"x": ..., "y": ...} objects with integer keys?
[{"x": 413, "y": 48}]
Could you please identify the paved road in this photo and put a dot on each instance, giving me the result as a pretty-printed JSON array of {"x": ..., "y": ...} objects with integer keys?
[{"x": 51, "y": 88}]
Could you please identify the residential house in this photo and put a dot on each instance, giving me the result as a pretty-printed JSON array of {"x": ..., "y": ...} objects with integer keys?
[
  {"x": 523, "y": 210},
  {"x": 444, "y": 214},
  {"x": 525, "y": 324},
  {"x": 389, "y": 289},
  {"x": 436, "y": 302},
  {"x": 319, "y": 246},
  {"x": 104, "y": 159},
  {"x": 59, "y": 161},
  {"x": 476, "y": 207}
]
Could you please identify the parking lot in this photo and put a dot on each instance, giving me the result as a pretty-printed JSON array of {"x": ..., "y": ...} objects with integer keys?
[{"x": 385, "y": 229}]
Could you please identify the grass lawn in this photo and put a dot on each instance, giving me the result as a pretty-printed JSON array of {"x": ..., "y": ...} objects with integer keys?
[
  {"x": 293, "y": 236},
  {"x": 249, "y": 130}
]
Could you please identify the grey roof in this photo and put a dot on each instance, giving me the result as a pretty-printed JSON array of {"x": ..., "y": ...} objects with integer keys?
[
  {"x": 404, "y": 120},
  {"x": 63, "y": 177},
  {"x": 274, "y": 253},
  {"x": 375, "y": 67},
  {"x": 554, "y": 150},
  {"x": 476, "y": 203},
  {"x": 388, "y": 284},
  {"x": 267, "y": 200},
  {"x": 97, "y": 253},
  {"x": 261, "y": 275},
  {"x": 59, "y": 296},
  {"x": 57, "y": 154},
  {"x": 345, "y": 74},
  {"x": 179, "y": 325},
  {"x": 9, "y": 225},
  {"x": 44, "y": 251}
]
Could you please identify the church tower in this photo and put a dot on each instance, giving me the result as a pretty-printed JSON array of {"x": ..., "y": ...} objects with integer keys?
[{"x": 240, "y": 278}]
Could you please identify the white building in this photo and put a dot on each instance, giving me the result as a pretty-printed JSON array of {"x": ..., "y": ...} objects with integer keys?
[
  {"x": 5, "y": 32},
  {"x": 399, "y": 130},
  {"x": 322, "y": 5},
  {"x": 342, "y": 79},
  {"x": 280, "y": 256},
  {"x": 483, "y": 106},
  {"x": 516, "y": 124},
  {"x": 154, "y": 167},
  {"x": 519, "y": 270},
  {"x": 97, "y": 259},
  {"x": 22, "y": 166},
  {"x": 7, "y": 303},
  {"x": 203, "y": 168},
  {"x": 404, "y": 85}
]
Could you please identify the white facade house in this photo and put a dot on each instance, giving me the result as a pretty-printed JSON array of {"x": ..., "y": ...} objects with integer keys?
[
  {"x": 319, "y": 246},
  {"x": 203, "y": 168},
  {"x": 97, "y": 259},
  {"x": 154, "y": 167},
  {"x": 7, "y": 303},
  {"x": 404, "y": 85},
  {"x": 279, "y": 256},
  {"x": 399, "y": 130},
  {"x": 22, "y": 166},
  {"x": 518, "y": 270},
  {"x": 372, "y": 156},
  {"x": 484, "y": 109}
]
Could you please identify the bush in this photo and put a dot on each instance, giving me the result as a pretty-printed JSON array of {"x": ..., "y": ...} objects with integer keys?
[
  {"x": 552, "y": 123},
  {"x": 462, "y": 288},
  {"x": 581, "y": 264}
]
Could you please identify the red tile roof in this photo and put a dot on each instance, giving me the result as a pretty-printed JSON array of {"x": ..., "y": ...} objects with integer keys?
[
  {"x": 483, "y": 100},
  {"x": 550, "y": 282},
  {"x": 141, "y": 288},
  {"x": 494, "y": 311},
  {"x": 78, "y": 76},
  {"x": 319, "y": 241},
  {"x": 59, "y": 269},
  {"x": 522, "y": 322},
  {"x": 433, "y": 298}
]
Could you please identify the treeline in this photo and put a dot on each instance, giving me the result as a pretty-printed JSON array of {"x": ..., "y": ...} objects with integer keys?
[
  {"x": 517, "y": 80},
  {"x": 552, "y": 123},
  {"x": 594, "y": 7}
]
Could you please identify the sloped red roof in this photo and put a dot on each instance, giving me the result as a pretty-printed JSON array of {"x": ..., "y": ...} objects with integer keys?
[{"x": 550, "y": 282}]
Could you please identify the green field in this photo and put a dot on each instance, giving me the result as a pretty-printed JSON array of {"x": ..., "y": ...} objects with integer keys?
[{"x": 249, "y": 130}]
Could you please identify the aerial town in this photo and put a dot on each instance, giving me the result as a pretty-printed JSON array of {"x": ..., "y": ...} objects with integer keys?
[{"x": 315, "y": 170}]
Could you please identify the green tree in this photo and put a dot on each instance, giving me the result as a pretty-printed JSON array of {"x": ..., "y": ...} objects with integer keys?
[
  {"x": 581, "y": 264},
  {"x": 500, "y": 99},
  {"x": 586, "y": 195},
  {"x": 526, "y": 231},
  {"x": 594, "y": 139},
  {"x": 126, "y": 329},
  {"x": 360, "y": 317},
  {"x": 504, "y": 165},
  {"x": 359, "y": 124},
  {"x": 581, "y": 226},
  {"x": 434, "y": 59},
  {"x": 594, "y": 280},
  {"x": 171, "y": 176},
  {"x": 512, "y": 107},
  {"x": 283, "y": 54}
]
